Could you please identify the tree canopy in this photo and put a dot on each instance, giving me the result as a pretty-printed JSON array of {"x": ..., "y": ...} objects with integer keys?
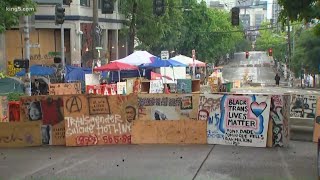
[
  {"x": 269, "y": 39},
  {"x": 10, "y": 17},
  {"x": 182, "y": 28},
  {"x": 306, "y": 54}
]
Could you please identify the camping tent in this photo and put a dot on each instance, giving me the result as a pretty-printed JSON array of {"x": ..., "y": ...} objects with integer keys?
[
  {"x": 188, "y": 61},
  {"x": 137, "y": 58},
  {"x": 158, "y": 62},
  {"x": 38, "y": 70}
]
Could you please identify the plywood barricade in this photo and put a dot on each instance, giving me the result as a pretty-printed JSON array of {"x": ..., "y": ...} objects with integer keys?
[
  {"x": 240, "y": 120},
  {"x": 303, "y": 106},
  {"x": 64, "y": 88},
  {"x": 168, "y": 107},
  {"x": 169, "y": 132},
  {"x": 48, "y": 110},
  {"x": 20, "y": 134},
  {"x": 99, "y": 120},
  {"x": 4, "y": 109},
  {"x": 278, "y": 130},
  {"x": 316, "y": 129}
]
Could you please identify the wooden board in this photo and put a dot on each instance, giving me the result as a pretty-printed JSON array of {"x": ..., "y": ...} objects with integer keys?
[
  {"x": 169, "y": 107},
  {"x": 97, "y": 130},
  {"x": 20, "y": 134},
  {"x": 47, "y": 109},
  {"x": 64, "y": 88},
  {"x": 4, "y": 109},
  {"x": 195, "y": 85},
  {"x": 75, "y": 105},
  {"x": 58, "y": 134},
  {"x": 316, "y": 129},
  {"x": 169, "y": 132}
]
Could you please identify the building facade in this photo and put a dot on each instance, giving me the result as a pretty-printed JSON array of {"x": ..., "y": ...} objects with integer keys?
[{"x": 78, "y": 35}]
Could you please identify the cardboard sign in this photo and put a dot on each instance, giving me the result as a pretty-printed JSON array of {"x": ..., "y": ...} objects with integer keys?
[
  {"x": 240, "y": 120},
  {"x": 20, "y": 134},
  {"x": 92, "y": 79},
  {"x": 121, "y": 87},
  {"x": 97, "y": 130},
  {"x": 156, "y": 86},
  {"x": 184, "y": 86},
  {"x": 64, "y": 88}
]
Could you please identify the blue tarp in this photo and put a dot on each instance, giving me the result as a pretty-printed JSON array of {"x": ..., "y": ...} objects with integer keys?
[
  {"x": 158, "y": 62},
  {"x": 37, "y": 70},
  {"x": 78, "y": 73}
]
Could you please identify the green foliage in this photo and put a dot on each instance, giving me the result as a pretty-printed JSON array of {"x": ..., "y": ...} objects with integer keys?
[
  {"x": 269, "y": 39},
  {"x": 306, "y": 54},
  {"x": 14, "y": 96},
  {"x": 300, "y": 10},
  {"x": 208, "y": 31},
  {"x": 10, "y": 17}
]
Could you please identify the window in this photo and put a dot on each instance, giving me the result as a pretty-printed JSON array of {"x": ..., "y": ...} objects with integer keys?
[{"x": 85, "y": 3}]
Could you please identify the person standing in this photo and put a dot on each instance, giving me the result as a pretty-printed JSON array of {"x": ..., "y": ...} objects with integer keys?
[{"x": 277, "y": 79}]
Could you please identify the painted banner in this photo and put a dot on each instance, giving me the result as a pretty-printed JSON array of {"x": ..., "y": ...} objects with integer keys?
[
  {"x": 48, "y": 110},
  {"x": 99, "y": 120},
  {"x": 303, "y": 106},
  {"x": 20, "y": 134},
  {"x": 279, "y": 119},
  {"x": 184, "y": 86},
  {"x": 240, "y": 120},
  {"x": 97, "y": 130},
  {"x": 4, "y": 109},
  {"x": 156, "y": 86},
  {"x": 170, "y": 107},
  {"x": 64, "y": 88}
]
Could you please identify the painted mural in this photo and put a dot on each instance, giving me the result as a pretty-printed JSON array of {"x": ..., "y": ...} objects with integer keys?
[
  {"x": 303, "y": 106},
  {"x": 240, "y": 120}
]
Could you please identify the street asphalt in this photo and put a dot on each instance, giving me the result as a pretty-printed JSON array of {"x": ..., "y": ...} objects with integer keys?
[{"x": 161, "y": 162}]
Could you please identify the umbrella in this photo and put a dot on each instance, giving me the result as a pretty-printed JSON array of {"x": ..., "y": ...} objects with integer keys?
[
  {"x": 116, "y": 66},
  {"x": 158, "y": 62}
]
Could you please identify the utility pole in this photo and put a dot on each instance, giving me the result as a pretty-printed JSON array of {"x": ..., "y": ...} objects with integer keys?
[
  {"x": 62, "y": 51},
  {"x": 95, "y": 25},
  {"x": 289, "y": 42},
  {"x": 27, "y": 80}
]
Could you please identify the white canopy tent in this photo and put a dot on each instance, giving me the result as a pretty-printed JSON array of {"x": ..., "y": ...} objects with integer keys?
[
  {"x": 188, "y": 61},
  {"x": 137, "y": 58}
]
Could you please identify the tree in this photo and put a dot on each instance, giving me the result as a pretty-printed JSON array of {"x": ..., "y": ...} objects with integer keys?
[
  {"x": 209, "y": 31},
  {"x": 268, "y": 39},
  {"x": 9, "y": 17},
  {"x": 306, "y": 54}
]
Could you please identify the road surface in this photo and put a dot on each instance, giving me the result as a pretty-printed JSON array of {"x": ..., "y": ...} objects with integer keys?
[{"x": 159, "y": 162}]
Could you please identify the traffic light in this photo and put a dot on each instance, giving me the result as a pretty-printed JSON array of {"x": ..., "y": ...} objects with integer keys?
[
  {"x": 158, "y": 7},
  {"x": 21, "y": 63},
  {"x": 247, "y": 55},
  {"x": 235, "y": 16},
  {"x": 59, "y": 14},
  {"x": 270, "y": 52},
  {"x": 107, "y": 6}
]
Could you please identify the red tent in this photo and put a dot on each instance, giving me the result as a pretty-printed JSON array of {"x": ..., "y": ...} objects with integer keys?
[{"x": 115, "y": 66}]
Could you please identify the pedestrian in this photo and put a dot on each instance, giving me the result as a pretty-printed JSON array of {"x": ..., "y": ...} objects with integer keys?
[{"x": 277, "y": 79}]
